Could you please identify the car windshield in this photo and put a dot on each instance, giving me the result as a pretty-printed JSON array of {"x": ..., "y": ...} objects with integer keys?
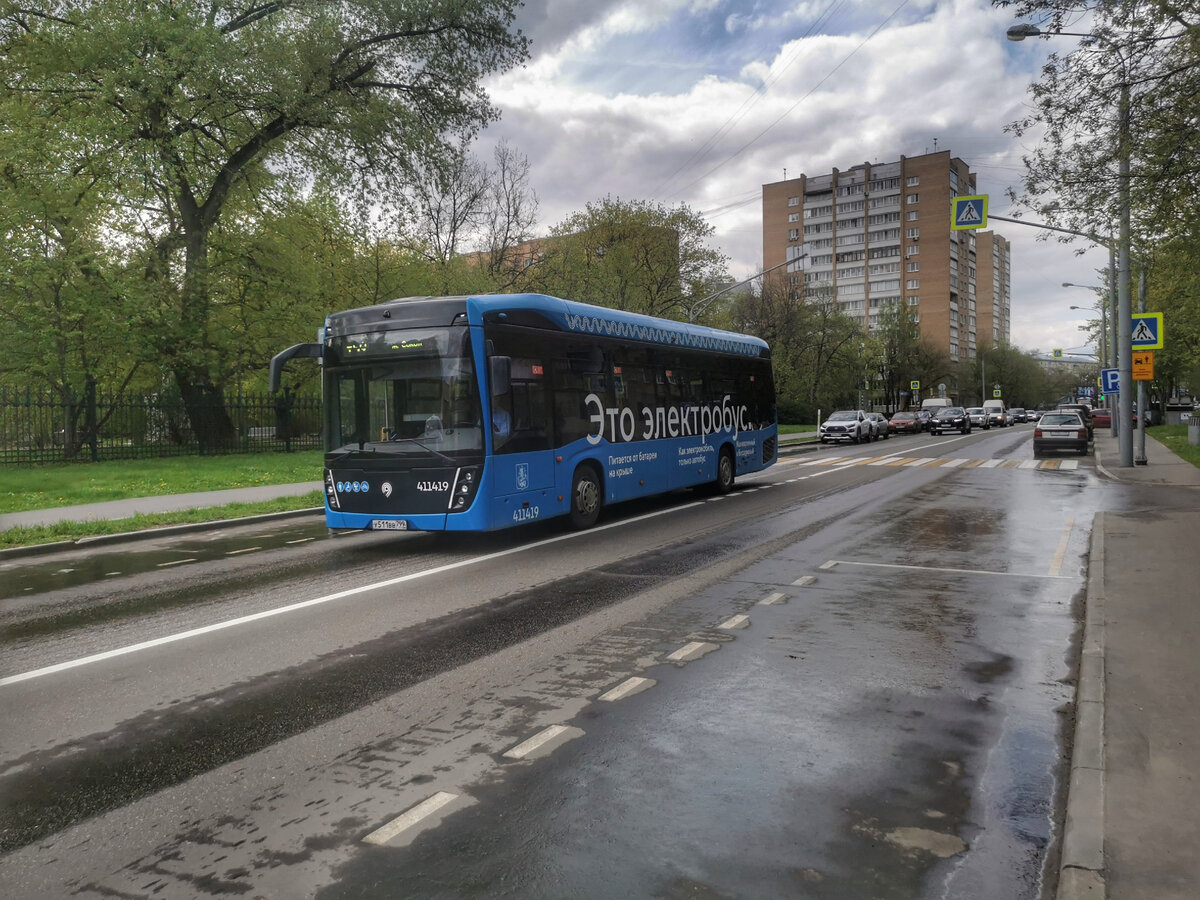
[
  {"x": 842, "y": 416},
  {"x": 975, "y": 411},
  {"x": 905, "y": 416},
  {"x": 950, "y": 411},
  {"x": 1061, "y": 419}
]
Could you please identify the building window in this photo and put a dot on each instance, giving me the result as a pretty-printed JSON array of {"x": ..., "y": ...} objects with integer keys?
[
  {"x": 793, "y": 217},
  {"x": 913, "y": 266},
  {"x": 793, "y": 201},
  {"x": 912, "y": 250},
  {"x": 913, "y": 180},
  {"x": 912, "y": 198},
  {"x": 913, "y": 215},
  {"x": 793, "y": 234},
  {"x": 914, "y": 233},
  {"x": 913, "y": 284},
  {"x": 913, "y": 299}
]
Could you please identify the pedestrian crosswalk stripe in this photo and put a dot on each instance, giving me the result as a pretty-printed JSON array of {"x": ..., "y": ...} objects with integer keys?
[{"x": 945, "y": 462}]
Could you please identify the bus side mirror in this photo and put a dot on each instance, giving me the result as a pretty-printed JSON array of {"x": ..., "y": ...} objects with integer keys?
[{"x": 501, "y": 370}]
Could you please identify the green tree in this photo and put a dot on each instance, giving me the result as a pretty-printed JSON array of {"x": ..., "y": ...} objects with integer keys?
[
  {"x": 1151, "y": 48},
  {"x": 193, "y": 104},
  {"x": 817, "y": 351},
  {"x": 632, "y": 255},
  {"x": 1173, "y": 288},
  {"x": 900, "y": 355}
]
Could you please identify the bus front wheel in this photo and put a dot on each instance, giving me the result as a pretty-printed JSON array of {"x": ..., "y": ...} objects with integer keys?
[
  {"x": 585, "y": 498},
  {"x": 724, "y": 482}
]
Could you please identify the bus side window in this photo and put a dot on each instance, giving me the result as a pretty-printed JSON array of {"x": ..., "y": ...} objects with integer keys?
[{"x": 526, "y": 402}]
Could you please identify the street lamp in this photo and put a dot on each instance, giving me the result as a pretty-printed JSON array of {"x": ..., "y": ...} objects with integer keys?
[
  {"x": 1124, "y": 312},
  {"x": 1106, "y": 346},
  {"x": 1103, "y": 355}
]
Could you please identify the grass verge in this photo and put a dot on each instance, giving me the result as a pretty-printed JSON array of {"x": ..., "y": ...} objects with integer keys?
[
  {"x": 72, "y": 531},
  {"x": 1174, "y": 438},
  {"x": 69, "y": 484}
]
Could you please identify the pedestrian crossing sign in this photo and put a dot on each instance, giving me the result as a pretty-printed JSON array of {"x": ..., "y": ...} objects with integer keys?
[
  {"x": 968, "y": 212},
  {"x": 1147, "y": 333}
]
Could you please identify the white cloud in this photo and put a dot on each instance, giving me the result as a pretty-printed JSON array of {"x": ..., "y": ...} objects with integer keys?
[{"x": 705, "y": 101}]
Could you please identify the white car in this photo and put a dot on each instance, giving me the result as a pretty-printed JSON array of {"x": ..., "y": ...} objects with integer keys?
[{"x": 850, "y": 425}]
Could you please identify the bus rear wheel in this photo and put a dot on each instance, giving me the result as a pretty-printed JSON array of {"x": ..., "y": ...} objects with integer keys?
[{"x": 585, "y": 498}]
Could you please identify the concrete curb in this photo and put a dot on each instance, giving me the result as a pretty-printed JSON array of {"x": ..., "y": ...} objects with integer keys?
[
  {"x": 148, "y": 533},
  {"x": 1081, "y": 870}
]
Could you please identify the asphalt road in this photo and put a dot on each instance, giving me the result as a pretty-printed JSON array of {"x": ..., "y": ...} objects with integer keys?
[{"x": 236, "y": 711}]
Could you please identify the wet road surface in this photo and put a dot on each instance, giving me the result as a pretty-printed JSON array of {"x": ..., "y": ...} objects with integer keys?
[{"x": 886, "y": 719}]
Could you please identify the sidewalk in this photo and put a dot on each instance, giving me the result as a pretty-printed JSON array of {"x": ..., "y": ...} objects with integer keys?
[
  {"x": 1133, "y": 809},
  {"x": 123, "y": 509}
]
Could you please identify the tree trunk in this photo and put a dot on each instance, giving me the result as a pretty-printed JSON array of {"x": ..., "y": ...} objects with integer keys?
[{"x": 204, "y": 402}]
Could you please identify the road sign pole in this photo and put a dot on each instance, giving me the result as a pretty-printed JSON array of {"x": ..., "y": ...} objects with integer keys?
[{"x": 1139, "y": 456}]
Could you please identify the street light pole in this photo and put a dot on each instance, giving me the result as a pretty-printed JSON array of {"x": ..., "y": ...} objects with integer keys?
[
  {"x": 1124, "y": 310},
  {"x": 1122, "y": 321}
]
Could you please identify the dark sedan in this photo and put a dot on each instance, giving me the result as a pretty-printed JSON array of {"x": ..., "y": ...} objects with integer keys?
[{"x": 950, "y": 418}]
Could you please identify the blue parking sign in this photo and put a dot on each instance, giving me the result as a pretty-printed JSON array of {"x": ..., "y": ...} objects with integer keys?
[{"x": 1110, "y": 381}]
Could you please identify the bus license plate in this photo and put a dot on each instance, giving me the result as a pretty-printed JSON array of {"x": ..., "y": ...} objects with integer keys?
[{"x": 389, "y": 525}]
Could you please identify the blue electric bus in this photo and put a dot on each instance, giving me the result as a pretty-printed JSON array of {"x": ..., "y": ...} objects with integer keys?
[{"x": 476, "y": 413}]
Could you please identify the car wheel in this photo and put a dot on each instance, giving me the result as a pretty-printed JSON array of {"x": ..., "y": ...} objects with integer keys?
[{"x": 585, "y": 498}]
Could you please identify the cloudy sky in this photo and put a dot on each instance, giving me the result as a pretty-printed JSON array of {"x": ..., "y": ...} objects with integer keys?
[{"x": 704, "y": 101}]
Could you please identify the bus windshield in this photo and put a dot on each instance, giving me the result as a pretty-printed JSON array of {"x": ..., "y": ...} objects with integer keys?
[{"x": 408, "y": 392}]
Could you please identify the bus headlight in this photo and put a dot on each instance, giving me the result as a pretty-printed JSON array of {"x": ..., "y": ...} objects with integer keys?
[{"x": 466, "y": 481}]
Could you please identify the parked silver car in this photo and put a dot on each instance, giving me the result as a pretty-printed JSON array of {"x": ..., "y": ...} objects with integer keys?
[
  {"x": 879, "y": 424},
  {"x": 979, "y": 417},
  {"x": 1060, "y": 430}
]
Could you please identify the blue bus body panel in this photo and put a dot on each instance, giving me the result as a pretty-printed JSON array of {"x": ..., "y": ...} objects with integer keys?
[
  {"x": 523, "y": 488},
  {"x": 580, "y": 318}
]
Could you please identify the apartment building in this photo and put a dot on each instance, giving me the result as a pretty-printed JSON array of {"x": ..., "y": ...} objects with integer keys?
[
  {"x": 879, "y": 233},
  {"x": 993, "y": 277}
]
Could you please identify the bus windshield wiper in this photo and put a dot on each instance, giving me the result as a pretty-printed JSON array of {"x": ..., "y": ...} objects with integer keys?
[{"x": 428, "y": 449}]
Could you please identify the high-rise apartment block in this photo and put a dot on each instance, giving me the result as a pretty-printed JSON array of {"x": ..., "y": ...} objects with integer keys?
[{"x": 879, "y": 233}]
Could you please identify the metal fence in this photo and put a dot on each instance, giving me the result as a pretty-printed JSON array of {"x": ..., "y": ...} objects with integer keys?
[{"x": 41, "y": 427}]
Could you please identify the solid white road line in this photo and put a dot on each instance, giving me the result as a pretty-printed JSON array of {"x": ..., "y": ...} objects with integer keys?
[{"x": 328, "y": 598}]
